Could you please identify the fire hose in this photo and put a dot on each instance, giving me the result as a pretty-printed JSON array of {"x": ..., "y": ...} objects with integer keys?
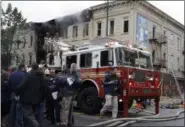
[{"x": 145, "y": 118}]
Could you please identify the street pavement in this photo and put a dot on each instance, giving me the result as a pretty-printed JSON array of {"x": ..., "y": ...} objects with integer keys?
[{"x": 85, "y": 120}]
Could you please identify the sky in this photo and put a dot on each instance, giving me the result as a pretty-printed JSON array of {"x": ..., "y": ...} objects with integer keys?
[{"x": 40, "y": 11}]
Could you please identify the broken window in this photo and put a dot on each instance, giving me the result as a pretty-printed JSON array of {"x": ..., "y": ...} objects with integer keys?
[
  {"x": 126, "y": 26},
  {"x": 70, "y": 60},
  {"x": 86, "y": 30},
  {"x": 31, "y": 40},
  {"x": 86, "y": 60},
  {"x": 75, "y": 31},
  {"x": 112, "y": 27},
  {"x": 99, "y": 29}
]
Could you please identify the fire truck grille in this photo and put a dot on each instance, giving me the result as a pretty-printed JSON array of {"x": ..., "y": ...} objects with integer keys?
[{"x": 139, "y": 76}]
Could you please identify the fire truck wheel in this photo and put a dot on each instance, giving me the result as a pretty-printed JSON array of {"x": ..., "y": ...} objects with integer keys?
[
  {"x": 89, "y": 102},
  {"x": 129, "y": 105}
]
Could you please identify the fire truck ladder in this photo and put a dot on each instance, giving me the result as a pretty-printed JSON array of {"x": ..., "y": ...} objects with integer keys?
[{"x": 177, "y": 84}]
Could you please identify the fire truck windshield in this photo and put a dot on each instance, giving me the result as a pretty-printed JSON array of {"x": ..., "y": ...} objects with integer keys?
[{"x": 126, "y": 56}]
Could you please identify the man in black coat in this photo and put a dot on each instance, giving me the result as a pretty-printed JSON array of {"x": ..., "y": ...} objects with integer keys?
[{"x": 32, "y": 92}]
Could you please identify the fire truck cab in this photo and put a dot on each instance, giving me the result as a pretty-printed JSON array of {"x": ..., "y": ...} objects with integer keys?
[{"x": 134, "y": 67}]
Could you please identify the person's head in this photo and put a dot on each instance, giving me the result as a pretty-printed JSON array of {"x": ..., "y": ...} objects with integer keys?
[
  {"x": 73, "y": 67},
  {"x": 34, "y": 66},
  {"x": 21, "y": 67},
  {"x": 113, "y": 70}
]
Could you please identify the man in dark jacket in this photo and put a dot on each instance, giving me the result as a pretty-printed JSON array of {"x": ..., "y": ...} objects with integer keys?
[
  {"x": 5, "y": 98},
  {"x": 112, "y": 89},
  {"x": 32, "y": 92},
  {"x": 73, "y": 83},
  {"x": 16, "y": 115}
]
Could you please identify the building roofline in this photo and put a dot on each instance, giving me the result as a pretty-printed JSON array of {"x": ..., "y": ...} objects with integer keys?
[
  {"x": 165, "y": 15},
  {"x": 146, "y": 3}
]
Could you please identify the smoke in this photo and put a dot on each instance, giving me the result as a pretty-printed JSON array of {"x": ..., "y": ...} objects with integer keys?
[{"x": 79, "y": 17}]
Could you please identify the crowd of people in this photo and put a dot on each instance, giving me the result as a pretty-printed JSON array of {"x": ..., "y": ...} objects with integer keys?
[{"x": 29, "y": 95}]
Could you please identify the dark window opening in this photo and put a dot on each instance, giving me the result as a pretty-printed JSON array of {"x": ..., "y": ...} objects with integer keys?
[
  {"x": 75, "y": 31},
  {"x": 111, "y": 27},
  {"x": 70, "y": 60},
  {"x": 106, "y": 58},
  {"x": 99, "y": 29},
  {"x": 86, "y": 30},
  {"x": 31, "y": 41},
  {"x": 153, "y": 34},
  {"x": 86, "y": 60},
  {"x": 126, "y": 26},
  {"x": 51, "y": 59},
  {"x": 30, "y": 59}
]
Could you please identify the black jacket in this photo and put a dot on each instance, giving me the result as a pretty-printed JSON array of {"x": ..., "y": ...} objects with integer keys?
[{"x": 33, "y": 89}]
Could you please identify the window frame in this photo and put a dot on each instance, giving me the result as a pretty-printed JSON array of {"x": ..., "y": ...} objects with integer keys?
[
  {"x": 124, "y": 20},
  {"x": 86, "y": 30},
  {"x": 111, "y": 30},
  {"x": 108, "y": 57},
  {"x": 85, "y": 59},
  {"x": 75, "y": 27},
  {"x": 99, "y": 29},
  {"x": 71, "y": 56}
]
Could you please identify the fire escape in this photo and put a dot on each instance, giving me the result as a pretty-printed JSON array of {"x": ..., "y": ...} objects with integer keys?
[{"x": 158, "y": 43}]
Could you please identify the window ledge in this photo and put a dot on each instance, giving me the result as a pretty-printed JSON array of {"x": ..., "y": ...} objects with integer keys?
[{"x": 125, "y": 33}]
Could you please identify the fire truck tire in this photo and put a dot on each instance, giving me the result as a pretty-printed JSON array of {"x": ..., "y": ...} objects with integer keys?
[
  {"x": 129, "y": 105},
  {"x": 89, "y": 101}
]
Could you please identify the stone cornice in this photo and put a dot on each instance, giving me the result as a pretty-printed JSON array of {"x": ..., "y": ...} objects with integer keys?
[
  {"x": 144, "y": 3},
  {"x": 161, "y": 14}
]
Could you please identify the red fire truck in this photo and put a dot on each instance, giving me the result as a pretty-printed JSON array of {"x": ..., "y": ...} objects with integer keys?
[{"x": 134, "y": 67}]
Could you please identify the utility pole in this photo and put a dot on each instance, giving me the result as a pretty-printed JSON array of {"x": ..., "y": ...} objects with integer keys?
[{"x": 107, "y": 22}]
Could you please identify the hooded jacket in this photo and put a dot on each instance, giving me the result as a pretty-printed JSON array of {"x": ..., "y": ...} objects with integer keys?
[{"x": 33, "y": 89}]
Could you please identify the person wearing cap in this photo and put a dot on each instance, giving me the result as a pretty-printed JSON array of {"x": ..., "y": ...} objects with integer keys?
[{"x": 112, "y": 89}]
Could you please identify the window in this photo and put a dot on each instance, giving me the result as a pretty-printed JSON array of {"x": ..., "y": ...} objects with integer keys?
[
  {"x": 86, "y": 30},
  {"x": 75, "y": 31},
  {"x": 125, "y": 26},
  {"x": 65, "y": 32},
  {"x": 112, "y": 27},
  {"x": 86, "y": 60},
  {"x": 31, "y": 41},
  {"x": 106, "y": 57},
  {"x": 30, "y": 59},
  {"x": 178, "y": 63},
  {"x": 70, "y": 60},
  {"x": 178, "y": 43},
  {"x": 164, "y": 56},
  {"x": 154, "y": 30},
  {"x": 99, "y": 29}
]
